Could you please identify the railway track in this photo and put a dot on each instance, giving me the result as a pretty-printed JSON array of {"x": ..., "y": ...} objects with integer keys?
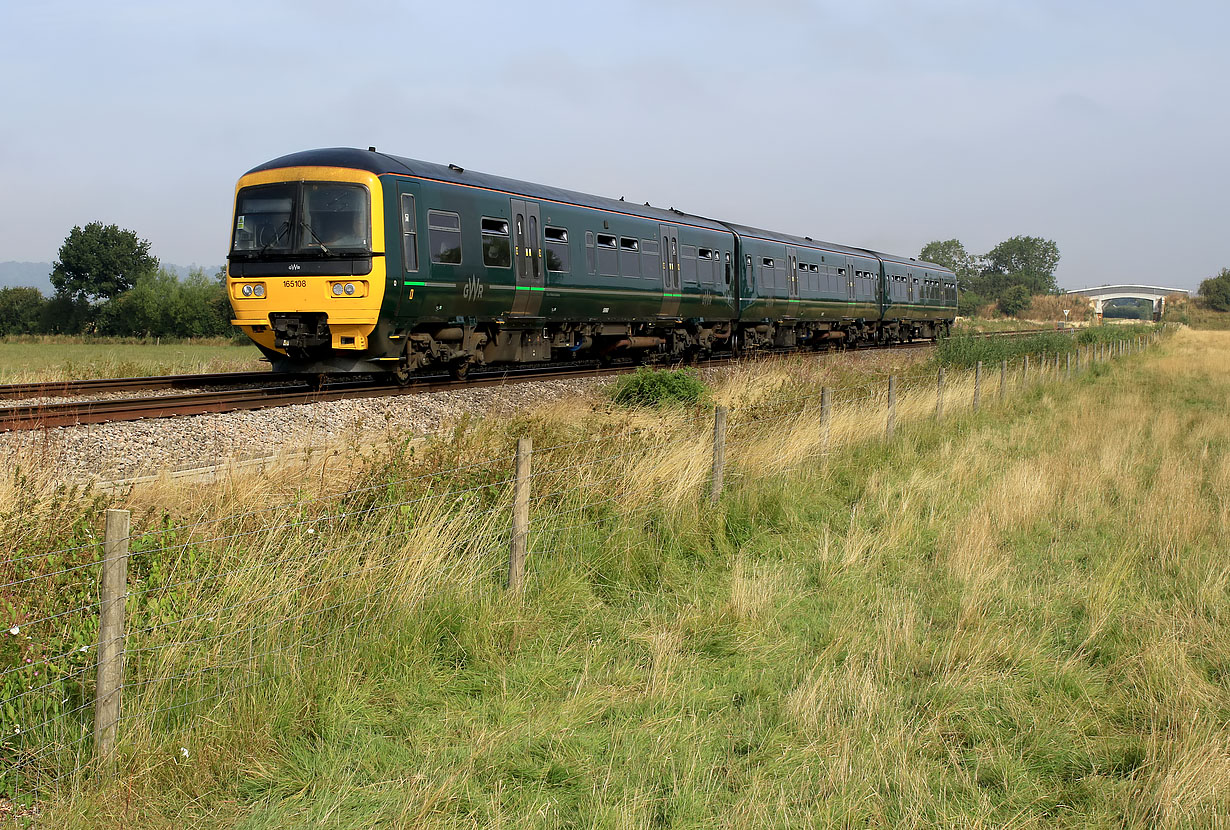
[
  {"x": 73, "y": 413},
  {"x": 259, "y": 392},
  {"x": 96, "y": 386}
]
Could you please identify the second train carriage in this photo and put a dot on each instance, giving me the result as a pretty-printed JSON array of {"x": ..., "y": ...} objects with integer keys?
[{"x": 346, "y": 260}]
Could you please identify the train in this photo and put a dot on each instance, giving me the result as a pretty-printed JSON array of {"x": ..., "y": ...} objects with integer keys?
[{"x": 346, "y": 260}]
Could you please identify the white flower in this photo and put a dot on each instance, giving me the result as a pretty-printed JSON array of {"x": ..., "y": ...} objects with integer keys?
[
  {"x": 311, "y": 530},
  {"x": 15, "y": 630},
  {"x": 183, "y": 750}
]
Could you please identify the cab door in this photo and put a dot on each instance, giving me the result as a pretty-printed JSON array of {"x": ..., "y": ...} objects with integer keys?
[
  {"x": 527, "y": 257},
  {"x": 405, "y": 269}
]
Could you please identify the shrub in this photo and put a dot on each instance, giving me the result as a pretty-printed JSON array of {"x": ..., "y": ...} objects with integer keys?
[
  {"x": 21, "y": 310},
  {"x": 659, "y": 387}
]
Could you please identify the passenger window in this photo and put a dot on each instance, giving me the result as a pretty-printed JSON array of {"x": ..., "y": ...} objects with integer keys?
[
  {"x": 688, "y": 266},
  {"x": 608, "y": 255},
  {"x": 497, "y": 252},
  {"x": 558, "y": 258},
  {"x": 409, "y": 234},
  {"x": 651, "y": 265},
  {"x": 629, "y": 256},
  {"x": 444, "y": 234}
]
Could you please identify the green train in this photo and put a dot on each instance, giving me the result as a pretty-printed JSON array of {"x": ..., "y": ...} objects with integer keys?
[{"x": 348, "y": 260}]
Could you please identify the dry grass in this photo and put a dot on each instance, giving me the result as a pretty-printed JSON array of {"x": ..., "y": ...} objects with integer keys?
[{"x": 1011, "y": 619}]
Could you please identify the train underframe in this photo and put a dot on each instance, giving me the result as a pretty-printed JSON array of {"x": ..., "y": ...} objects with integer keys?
[{"x": 459, "y": 347}]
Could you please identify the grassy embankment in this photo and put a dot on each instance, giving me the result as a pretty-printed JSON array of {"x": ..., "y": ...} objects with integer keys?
[
  {"x": 1017, "y": 618},
  {"x": 49, "y": 358},
  {"x": 1196, "y": 314}
]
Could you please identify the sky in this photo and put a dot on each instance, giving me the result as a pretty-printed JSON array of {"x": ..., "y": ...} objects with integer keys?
[{"x": 875, "y": 123}]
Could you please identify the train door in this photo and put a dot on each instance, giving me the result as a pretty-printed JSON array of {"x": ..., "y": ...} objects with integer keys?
[
  {"x": 909, "y": 287},
  {"x": 851, "y": 286},
  {"x": 671, "y": 292},
  {"x": 792, "y": 276},
  {"x": 407, "y": 282},
  {"x": 527, "y": 255}
]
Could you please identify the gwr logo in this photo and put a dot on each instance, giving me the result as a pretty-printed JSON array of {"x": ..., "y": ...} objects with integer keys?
[{"x": 473, "y": 289}]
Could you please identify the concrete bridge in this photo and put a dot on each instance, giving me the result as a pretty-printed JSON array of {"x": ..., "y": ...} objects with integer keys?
[{"x": 1103, "y": 293}]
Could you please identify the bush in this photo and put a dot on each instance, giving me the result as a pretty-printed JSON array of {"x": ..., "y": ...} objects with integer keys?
[
  {"x": 162, "y": 305},
  {"x": 659, "y": 387},
  {"x": 1216, "y": 291},
  {"x": 1014, "y": 301},
  {"x": 21, "y": 310}
]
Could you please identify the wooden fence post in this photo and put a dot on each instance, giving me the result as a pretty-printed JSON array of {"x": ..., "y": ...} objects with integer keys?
[
  {"x": 1068, "y": 368},
  {"x": 521, "y": 516},
  {"x": 719, "y": 452},
  {"x": 113, "y": 590},
  {"x": 977, "y": 385},
  {"x": 891, "y": 424},
  {"x": 939, "y": 395},
  {"x": 1025, "y": 371},
  {"x": 826, "y": 414},
  {"x": 1003, "y": 381}
]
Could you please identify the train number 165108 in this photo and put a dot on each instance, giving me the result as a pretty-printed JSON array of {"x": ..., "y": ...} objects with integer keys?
[{"x": 294, "y": 283}]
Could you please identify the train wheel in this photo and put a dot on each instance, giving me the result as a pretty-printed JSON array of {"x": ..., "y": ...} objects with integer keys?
[
  {"x": 402, "y": 374},
  {"x": 459, "y": 369}
]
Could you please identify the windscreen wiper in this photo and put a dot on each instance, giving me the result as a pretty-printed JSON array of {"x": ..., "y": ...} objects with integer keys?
[
  {"x": 285, "y": 226},
  {"x": 319, "y": 241}
]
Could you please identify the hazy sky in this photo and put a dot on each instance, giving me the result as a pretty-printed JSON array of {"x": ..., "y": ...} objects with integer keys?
[{"x": 879, "y": 123}]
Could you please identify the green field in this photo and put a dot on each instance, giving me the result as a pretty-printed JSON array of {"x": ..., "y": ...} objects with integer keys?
[
  {"x": 1019, "y": 618},
  {"x": 34, "y": 359}
]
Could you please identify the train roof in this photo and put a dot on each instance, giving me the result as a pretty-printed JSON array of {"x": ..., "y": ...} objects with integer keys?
[
  {"x": 385, "y": 164},
  {"x": 801, "y": 241},
  {"x": 914, "y": 263}
]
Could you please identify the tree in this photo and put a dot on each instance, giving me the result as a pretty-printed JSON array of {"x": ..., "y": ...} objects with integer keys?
[
  {"x": 952, "y": 255},
  {"x": 1022, "y": 260},
  {"x": 1216, "y": 291},
  {"x": 21, "y": 310},
  {"x": 100, "y": 262},
  {"x": 1014, "y": 300}
]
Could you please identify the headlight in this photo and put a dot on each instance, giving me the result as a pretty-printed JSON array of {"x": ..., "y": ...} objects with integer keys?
[
  {"x": 259, "y": 290},
  {"x": 349, "y": 288},
  {"x": 247, "y": 289},
  {"x": 337, "y": 289}
]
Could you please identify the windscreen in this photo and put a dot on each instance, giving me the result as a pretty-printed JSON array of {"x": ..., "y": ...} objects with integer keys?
[
  {"x": 334, "y": 217},
  {"x": 264, "y": 218},
  {"x": 302, "y": 219}
]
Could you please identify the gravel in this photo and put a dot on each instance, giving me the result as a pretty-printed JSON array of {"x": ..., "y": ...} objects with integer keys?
[{"x": 123, "y": 450}]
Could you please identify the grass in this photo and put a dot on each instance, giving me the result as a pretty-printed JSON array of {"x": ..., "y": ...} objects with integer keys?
[
  {"x": 49, "y": 358},
  {"x": 989, "y": 324},
  {"x": 966, "y": 348},
  {"x": 1015, "y": 618},
  {"x": 1198, "y": 315}
]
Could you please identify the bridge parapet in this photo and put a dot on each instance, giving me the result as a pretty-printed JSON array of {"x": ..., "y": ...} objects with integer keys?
[{"x": 1104, "y": 293}]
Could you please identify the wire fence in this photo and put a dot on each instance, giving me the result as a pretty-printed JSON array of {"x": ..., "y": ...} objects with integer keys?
[{"x": 213, "y": 610}]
